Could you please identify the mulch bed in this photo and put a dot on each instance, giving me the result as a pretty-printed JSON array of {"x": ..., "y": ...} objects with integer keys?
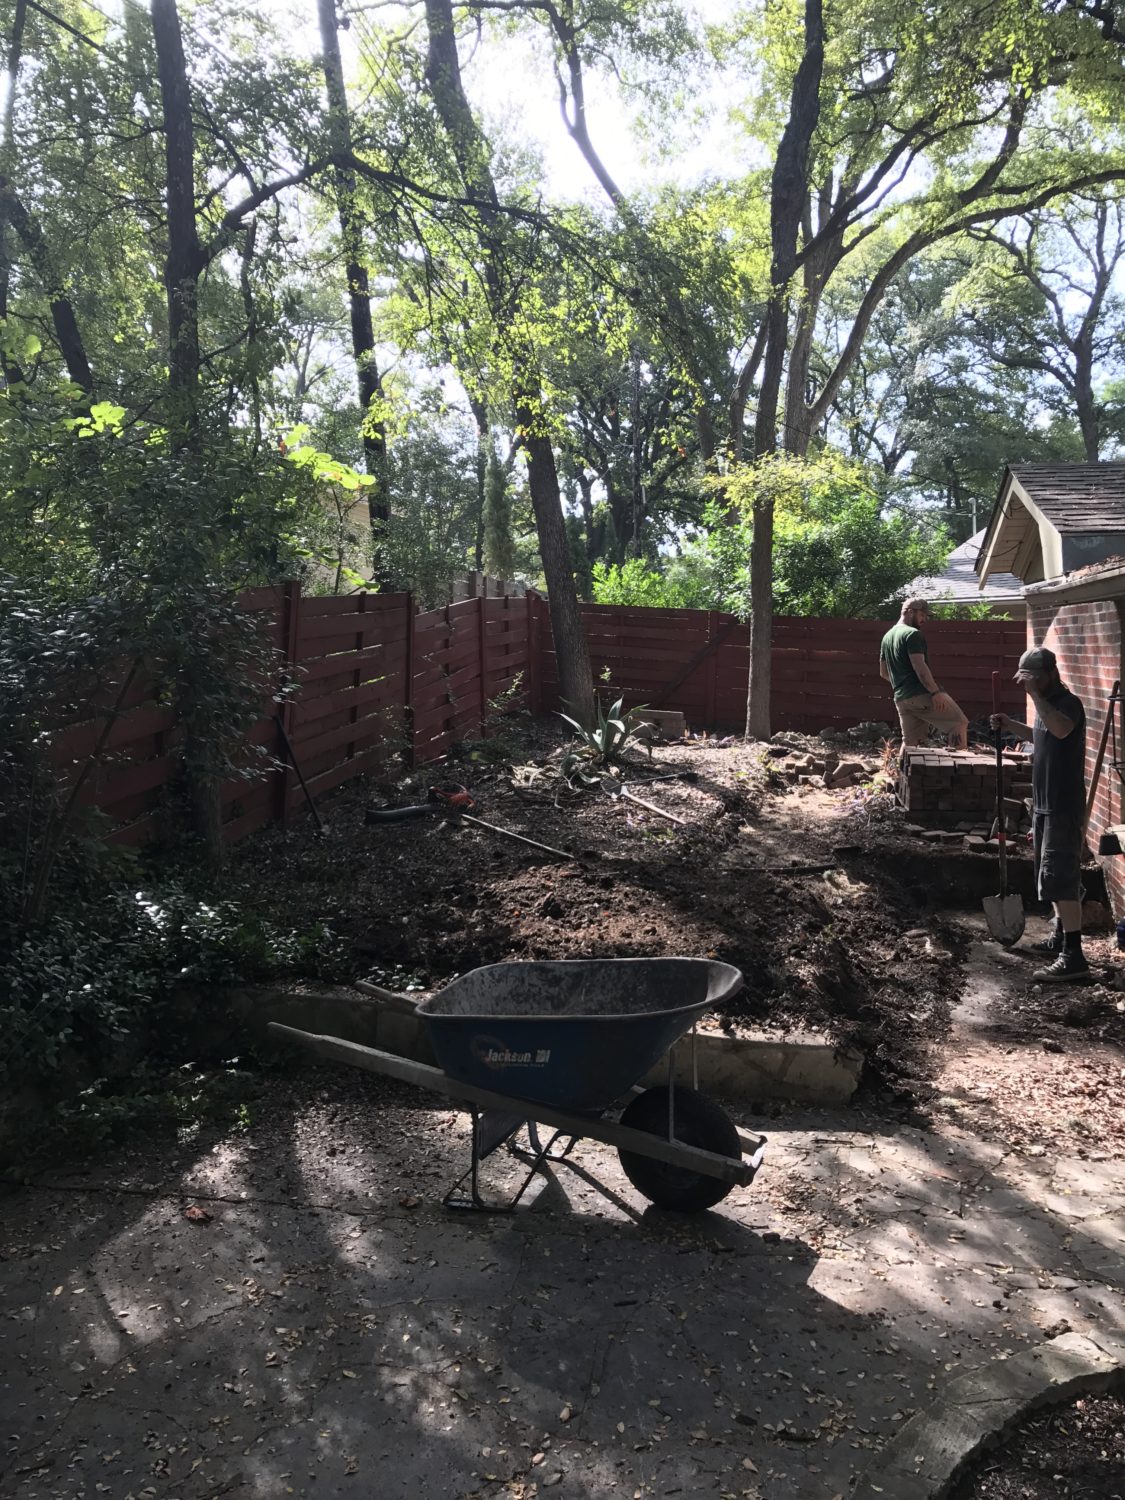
[
  {"x": 1077, "y": 1451},
  {"x": 825, "y": 950}
]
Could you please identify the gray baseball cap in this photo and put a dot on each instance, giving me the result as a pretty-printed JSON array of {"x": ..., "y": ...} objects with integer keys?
[{"x": 1038, "y": 659}]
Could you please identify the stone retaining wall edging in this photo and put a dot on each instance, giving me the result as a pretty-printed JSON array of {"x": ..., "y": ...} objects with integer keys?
[{"x": 979, "y": 1409}]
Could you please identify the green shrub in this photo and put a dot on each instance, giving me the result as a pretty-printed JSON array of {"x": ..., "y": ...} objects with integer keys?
[{"x": 80, "y": 987}]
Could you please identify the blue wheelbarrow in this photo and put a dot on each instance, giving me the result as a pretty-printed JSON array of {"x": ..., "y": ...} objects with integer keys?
[{"x": 564, "y": 1045}]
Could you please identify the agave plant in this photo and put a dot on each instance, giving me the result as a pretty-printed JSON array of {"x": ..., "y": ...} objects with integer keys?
[{"x": 610, "y": 736}]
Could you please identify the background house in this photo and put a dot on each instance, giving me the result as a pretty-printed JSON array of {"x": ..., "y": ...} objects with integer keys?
[
  {"x": 1061, "y": 529},
  {"x": 958, "y": 583},
  {"x": 1051, "y": 519}
]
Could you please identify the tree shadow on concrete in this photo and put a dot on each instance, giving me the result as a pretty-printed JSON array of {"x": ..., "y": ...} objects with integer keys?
[{"x": 330, "y": 1330}]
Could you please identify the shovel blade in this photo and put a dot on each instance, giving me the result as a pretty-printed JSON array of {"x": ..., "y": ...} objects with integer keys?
[{"x": 1004, "y": 915}]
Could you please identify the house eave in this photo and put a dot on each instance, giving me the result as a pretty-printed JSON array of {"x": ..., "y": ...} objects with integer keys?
[{"x": 1109, "y": 584}]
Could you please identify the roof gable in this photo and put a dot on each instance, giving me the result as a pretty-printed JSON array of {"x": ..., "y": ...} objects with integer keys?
[
  {"x": 1076, "y": 497},
  {"x": 1049, "y": 517}
]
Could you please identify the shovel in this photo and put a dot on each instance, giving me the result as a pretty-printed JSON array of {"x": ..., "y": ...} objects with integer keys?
[
  {"x": 1003, "y": 913},
  {"x": 617, "y": 788}
]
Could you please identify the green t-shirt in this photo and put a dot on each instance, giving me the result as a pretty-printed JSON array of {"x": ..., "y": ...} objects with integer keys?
[{"x": 898, "y": 644}]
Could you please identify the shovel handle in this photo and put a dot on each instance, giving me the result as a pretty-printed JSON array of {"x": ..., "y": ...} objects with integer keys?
[
  {"x": 519, "y": 837},
  {"x": 1001, "y": 831}
]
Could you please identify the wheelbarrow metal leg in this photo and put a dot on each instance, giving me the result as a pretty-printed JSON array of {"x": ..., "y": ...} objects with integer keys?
[
  {"x": 540, "y": 1153},
  {"x": 491, "y": 1129}
]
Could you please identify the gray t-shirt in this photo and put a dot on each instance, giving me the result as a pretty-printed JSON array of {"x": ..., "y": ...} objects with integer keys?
[{"x": 1058, "y": 775}]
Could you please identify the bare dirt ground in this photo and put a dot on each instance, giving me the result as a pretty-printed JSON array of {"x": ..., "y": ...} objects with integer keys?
[{"x": 773, "y": 881}]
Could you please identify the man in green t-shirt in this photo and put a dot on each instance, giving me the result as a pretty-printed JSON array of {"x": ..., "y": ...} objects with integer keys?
[{"x": 904, "y": 663}]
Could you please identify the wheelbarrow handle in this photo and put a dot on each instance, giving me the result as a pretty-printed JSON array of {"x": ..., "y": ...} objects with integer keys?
[{"x": 402, "y": 1004}]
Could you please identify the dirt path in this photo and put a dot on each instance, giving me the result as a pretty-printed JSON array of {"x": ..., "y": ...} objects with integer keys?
[{"x": 1039, "y": 1067}]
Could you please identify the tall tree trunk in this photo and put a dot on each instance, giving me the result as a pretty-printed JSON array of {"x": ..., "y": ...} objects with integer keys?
[
  {"x": 14, "y": 216},
  {"x": 11, "y": 369},
  {"x": 368, "y": 378},
  {"x": 576, "y": 687},
  {"x": 443, "y": 75},
  {"x": 13, "y": 212},
  {"x": 182, "y": 270},
  {"x": 1085, "y": 402},
  {"x": 480, "y": 417},
  {"x": 184, "y": 261},
  {"x": 788, "y": 195},
  {"x": 736, "y": 408},
  {"x": 798, "y": 429}
]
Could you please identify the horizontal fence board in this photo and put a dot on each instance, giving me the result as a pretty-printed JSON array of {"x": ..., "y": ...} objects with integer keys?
[
  {"x": 271, "y": 596},
  {"x": 372, "y": 626},
  {"x": 672, "y": 642},
  {"x": 247, "y": 823},
  {"x": 136, "y": 834},
  {"x": 497, "y": 611},
  {"x": 374, "y": 660},
  {"x": 452, "y": 656},
  {"x": 672, "y": 662},
  {"x": 248, "y": 791},
  {"x": 446, "y": 705},
  {"x": 628, "y": 614},
  {"x": 506, "y": 630},
  {"x": 434, "y": 718},
  {"x": 359, "y": 731},
  {"x": 392, "y": 683},
  {"x": 383, "y": 692},
  {"x": 365, "y": 760},
  {"x": 109, "y": 785},
  {"x": 346, "y": 604},
  {"x": 449, "y": 695},
  {"x": 140, "y": 725}
]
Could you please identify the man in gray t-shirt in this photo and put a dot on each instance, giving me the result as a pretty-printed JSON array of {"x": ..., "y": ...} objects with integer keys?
[{"x": 1058, "y": 784}]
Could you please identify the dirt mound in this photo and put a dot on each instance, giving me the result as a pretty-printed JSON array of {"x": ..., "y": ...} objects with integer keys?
[{"x": 820, "y": 939}]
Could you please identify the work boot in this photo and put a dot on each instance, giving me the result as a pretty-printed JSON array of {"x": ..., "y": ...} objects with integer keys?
[
  {"x": 1070, "y": 964},
  {"x": 1051, "y": 944}
]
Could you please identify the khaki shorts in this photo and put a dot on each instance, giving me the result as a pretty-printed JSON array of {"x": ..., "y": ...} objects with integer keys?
[{"x": 918, "y": 716}]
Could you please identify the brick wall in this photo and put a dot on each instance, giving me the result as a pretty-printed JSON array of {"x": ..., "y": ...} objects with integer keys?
[{"x": 1087, "y": 639}]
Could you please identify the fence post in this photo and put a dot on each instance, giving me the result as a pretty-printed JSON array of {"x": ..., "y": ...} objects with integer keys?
[
  {"x": 534, "y": 658},
  {"x": 710, "y": 691},
  {"x": 357, "y": 675},
  {"x": 408, "y": 683},
  {"x": 290, "y": 620},
  {"x": 482, "y": 652}
]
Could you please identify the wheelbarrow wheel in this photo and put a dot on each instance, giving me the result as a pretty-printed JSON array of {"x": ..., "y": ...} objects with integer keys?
[{"x": 698, "y": 1122}]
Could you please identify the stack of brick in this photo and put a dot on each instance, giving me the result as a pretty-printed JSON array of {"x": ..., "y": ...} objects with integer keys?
[
  {"x": 948, "y": 787},
  {"x": 821, "y": 770}
]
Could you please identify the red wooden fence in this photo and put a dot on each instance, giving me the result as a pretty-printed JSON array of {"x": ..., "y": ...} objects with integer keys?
[
  {"x": 825, "y": 672},
  {"x": 373, "y": 677}
]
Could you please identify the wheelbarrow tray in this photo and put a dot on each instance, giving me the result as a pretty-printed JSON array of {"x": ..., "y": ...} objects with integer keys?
[
  {"x": 574, "y": 1035},
  {"x": 508, "y": 1113}
]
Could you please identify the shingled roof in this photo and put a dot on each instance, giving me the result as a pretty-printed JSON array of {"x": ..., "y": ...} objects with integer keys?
[
  {"x": 1076, "y": 497},
  {"x": 958, "y": 584}
]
